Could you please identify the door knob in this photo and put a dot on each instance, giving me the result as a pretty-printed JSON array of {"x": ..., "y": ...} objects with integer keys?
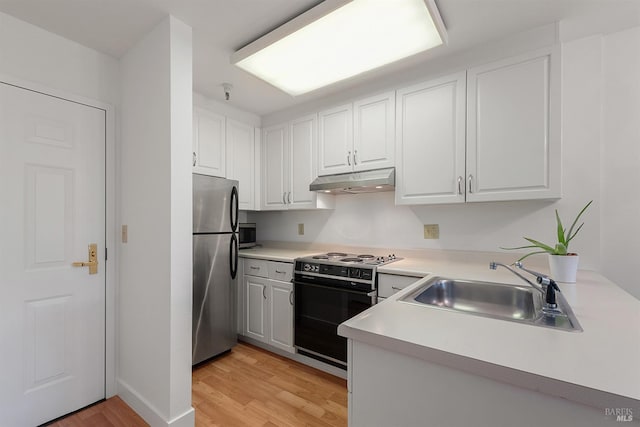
[{"x": 93, "y": 260}]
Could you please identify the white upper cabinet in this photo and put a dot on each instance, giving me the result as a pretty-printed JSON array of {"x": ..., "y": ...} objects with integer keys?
[
  {"x": 358, "y": 136},
  {"x": 335, "y": 136},
  {"x": 209, "y": 150},
  {"x": 430, "y": 142},
  {"x": 513, "y": 128},
  {"x": 275, "y": 151},
  {"x": 241, "y": 161},
  {"x": 289, "y": 166},
  {"x": 512, "y": 148},
  {"x": 373, "y": 132},
  {"x": 302, "y": 170}
]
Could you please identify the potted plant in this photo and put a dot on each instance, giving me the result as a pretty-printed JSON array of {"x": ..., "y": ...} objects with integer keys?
[{"x": 562, "y": 263}]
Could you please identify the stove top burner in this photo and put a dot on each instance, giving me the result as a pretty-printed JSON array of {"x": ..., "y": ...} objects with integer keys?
[
  {"x": 336, "y": 254},
  {"x": 351, "y": 260},
  {"x": 320, "y": 257},
  {"x": 367, "y": 256}
]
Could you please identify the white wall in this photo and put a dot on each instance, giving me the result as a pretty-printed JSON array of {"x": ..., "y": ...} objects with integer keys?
[
  {"x": 621, "y": 159},
  {"x": 33, "y": 54},
  {"x": 374, "y": 220},
  {"x": 155, "y": 265}
]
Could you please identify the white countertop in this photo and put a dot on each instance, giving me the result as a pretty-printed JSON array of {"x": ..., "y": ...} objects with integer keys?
[{"x": 605, "y": 357}]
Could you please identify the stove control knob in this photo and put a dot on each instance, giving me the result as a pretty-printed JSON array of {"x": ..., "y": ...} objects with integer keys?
[{"x": 307, "y": 267}]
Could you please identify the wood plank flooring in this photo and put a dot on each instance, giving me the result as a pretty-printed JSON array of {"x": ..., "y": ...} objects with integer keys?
[{"x": 246, "y": 387}]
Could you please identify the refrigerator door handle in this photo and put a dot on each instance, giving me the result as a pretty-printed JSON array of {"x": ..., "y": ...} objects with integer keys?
[
  {"x": 233, "y": 209},
  {"x": 233, "y": 256}
]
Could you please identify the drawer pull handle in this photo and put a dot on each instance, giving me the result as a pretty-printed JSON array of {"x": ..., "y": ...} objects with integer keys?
[
  {"x": 280, "y": 272},
  {"x": 395, "y": 288},
  {"x": 253, "y": 267}
]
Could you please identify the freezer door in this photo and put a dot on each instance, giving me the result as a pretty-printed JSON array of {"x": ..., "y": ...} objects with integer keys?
[
  {"x": 214, "y": 296},
  {"x": 215, "y": 204}
]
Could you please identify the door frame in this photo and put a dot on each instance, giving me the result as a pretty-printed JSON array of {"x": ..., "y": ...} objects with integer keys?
[{"x": 110, "y": 215}]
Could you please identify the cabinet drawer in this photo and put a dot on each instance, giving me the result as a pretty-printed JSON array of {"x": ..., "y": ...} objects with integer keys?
[
  {"x": 389, "y": 284},
  {"x": 281, "y": 271},
  {"x": 256, "y": 267}
]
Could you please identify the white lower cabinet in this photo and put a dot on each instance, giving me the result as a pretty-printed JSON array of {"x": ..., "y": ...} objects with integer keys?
[{"x": 268, "y": 304}]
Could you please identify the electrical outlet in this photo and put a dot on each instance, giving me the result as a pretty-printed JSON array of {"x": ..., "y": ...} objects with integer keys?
[
  {"x": 431, "y": 231},
  {"x": 125, "y": 233},
  {"x": 300, "y": 229}
]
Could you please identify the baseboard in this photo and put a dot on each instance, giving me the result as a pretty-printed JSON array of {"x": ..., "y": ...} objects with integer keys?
[{"x": 149, "y": 413}]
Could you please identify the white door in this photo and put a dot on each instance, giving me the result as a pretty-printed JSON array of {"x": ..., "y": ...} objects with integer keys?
[
  {"x": 281, "y": 314},
  {"x": 513, "y": 133},
  {"x": 52, "y": 315},
  {"x": 335, "y": 140},
  {"x": 430, "y": 142},
  {"x": 241, "y": 161},
  {"x": 209, "y": 142},
  {"x": 255, "y": 290},
  {"x": 302, "y": 165},
  {"x": 274, "y": 162},
  {"x": 374, "y": 132}
]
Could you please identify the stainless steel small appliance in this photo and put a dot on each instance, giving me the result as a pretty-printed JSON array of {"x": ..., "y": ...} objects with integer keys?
[
  {"x": 247, "y": 234},
  {"x": 329, "y": 289}
]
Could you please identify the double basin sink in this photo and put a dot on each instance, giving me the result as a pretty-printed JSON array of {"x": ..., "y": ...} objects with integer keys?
[{"x": 495, "y": 300}]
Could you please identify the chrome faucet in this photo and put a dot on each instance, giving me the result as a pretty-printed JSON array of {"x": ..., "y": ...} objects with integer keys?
[{"x": 547, "y": 290}]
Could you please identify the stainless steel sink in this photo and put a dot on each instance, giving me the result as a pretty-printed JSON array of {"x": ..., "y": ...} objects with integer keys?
[{"x": 496, "y": 300}]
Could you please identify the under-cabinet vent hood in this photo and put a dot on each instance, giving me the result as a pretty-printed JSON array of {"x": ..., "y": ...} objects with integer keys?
[{"x": 371, "y": 181}]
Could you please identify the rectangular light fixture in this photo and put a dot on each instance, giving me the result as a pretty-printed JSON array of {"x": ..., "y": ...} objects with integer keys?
[{"x": 339, "y": 39}]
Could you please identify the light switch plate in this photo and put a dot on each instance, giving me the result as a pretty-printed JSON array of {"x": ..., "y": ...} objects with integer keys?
[
  {"x": 300, "y": 229},
  {"x": 431, "y": 231}
]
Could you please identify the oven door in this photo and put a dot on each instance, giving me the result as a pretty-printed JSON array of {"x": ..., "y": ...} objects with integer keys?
[{"x": 319, "y": 309}]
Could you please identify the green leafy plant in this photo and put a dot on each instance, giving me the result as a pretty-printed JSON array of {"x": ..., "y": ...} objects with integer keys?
[{"x": 564, "y": 238}]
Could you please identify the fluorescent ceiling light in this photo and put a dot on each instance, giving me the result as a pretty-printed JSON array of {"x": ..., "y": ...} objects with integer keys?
[{"x": 340, "y": 39}]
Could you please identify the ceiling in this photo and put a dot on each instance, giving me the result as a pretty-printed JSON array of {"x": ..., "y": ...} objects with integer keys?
[{"x": 222, "y": 26}]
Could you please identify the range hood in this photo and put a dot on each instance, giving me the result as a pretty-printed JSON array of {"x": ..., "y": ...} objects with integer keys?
[{"x": 372, "y": 181}]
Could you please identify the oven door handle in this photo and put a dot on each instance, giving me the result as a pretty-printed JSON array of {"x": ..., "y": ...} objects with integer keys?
[{"x": 372, "y": 294}]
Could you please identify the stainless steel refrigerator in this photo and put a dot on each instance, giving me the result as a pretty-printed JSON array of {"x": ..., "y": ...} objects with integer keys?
[{"x": 215, "y": 265}]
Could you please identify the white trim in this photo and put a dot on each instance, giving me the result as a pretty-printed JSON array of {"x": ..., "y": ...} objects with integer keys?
[
  {"x": 149, "y": 413},
  {"x": 110, "y": 216}
]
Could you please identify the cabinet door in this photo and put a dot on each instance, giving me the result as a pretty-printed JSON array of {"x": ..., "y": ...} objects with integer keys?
[
  {"x": 255, "y": 294},
  {"x": 209, "y": 143},
  {"x": 281, "y": 315},
  {"x": 374, "y": 132},
  {"x": 274, "y": 164},
  {"x": 430, "y": 142},
  {"x": 335, "y": 140},
  {"x": 241, "y": 161},
  {"x": 513, "y": 138},
  {"x": 302, "y": 162}
]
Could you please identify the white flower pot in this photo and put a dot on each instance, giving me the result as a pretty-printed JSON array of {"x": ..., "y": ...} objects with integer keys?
[{"x": 564, "y": 268}]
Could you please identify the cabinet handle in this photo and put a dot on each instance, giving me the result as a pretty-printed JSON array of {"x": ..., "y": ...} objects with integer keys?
[
  {"x": 284, "y": 200},
  {"x": 194, "y": 158},
  {"x": 349, "y": 158},
  {"x": 460, "y": 185},
  {"x": 470, "y": 183},
  {"x": 291, "y": 297},
  {"x": 253, "y": 267},
  {"x": 395, "y": 288},
  {"x": 264, "y": 292},
  {"x": 280, "y": 272},
  {"x": 289, "y": 197},
  {"x": 355, "y": 157}
]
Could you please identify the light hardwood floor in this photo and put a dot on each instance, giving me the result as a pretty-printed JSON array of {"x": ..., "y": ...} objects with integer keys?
[{"x": 246, "y": 387}]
